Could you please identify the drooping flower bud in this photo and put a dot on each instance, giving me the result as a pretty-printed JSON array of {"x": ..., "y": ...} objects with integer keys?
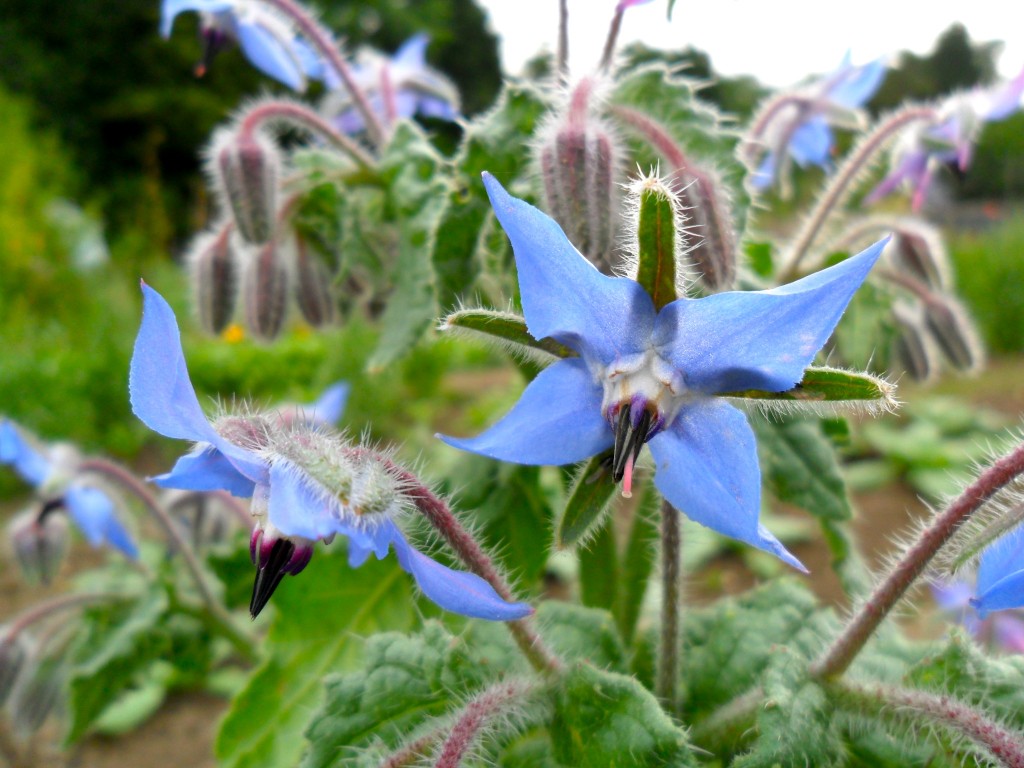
[
  {"x": 204, "y": 514},
  {"x": 913, "y": 348},
  {"x": 578, "y": 161},
  {"x": 313, "y": 286},
  {"x": 265, "y": 291},
  {"x": 39, "y": 539},
  {"x": 214, "y": 267},
  {"x": 13, "y": 655},
  {"x": 246, "y": 168},
  {"x": 954, "y": 332},
  {"x": 917, "y": 249},
  {"x": 37, "y": 693}
]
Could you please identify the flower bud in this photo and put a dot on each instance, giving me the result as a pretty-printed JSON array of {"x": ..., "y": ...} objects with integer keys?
[
  {"x": 954, "y": 332},
  {"x": 36, "y": 694},
  {"x": 709, "y": 220},
  {"x": 214, "y": 269},
  {"x": 913, "y": 348},
  {"x": 578, "y": 160},
  {"x": 917, "y": 249},
  {"x": 201, "y": 513},
  {"x": 313, "y": 286},
  {"x": 13, "y": 655},
  {"x": 266, "y": 291},
  {"x": 246, "y": 168},
  {"x": 39, "y": 539}
]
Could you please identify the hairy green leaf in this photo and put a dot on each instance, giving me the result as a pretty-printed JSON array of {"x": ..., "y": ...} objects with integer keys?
[
  {"x": 589, "y": 496},
  {"x": 505, "y": 327}
]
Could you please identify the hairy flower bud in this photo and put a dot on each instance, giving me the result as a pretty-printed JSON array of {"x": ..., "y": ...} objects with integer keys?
[
  {"x": 313, "y": 286},
  {"x": 246, "y": 168},
  {"x": 917, "y": 249},
  {"x": 13, "y": 654},
  {"x": 954, "y": 332},
  {"x": 913, "y": 348},
  {"x": 39, "y": 539},
  {"x": 578, "y": 160},
  {"x": 37, "y": 693},
  {"x": 265, "y": 291},
  {"x": 214, "y": 268}
]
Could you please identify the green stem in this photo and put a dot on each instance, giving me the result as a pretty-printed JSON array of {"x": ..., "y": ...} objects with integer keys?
[{"x": 667, "y": 684}]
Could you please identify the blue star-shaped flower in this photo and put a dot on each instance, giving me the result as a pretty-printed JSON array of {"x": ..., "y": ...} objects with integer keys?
[
  {"x": 266, "y": 38},
  {"x": 1000, "y": 584},
  {"x": 55, "y": 476},
  {"x": 801, "y": 127},
  {"x": 294, "y": 509},
  {"x": 644, "y": 376}
]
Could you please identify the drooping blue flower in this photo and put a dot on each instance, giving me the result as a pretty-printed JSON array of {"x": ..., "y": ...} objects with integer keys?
[
  {"x": 1001, "y": 574},
  {"x": 396, "y": 87},
  {"x": 651, "y": 377},
  {"x": 292, "y": 507},
  {"x": 1004, "y": 630},
  {"x": 947, "y": 140},
  {"x": 799, "y": 126},
  {"x": 54, "y": 474},
  {"x": 265, "y": 36}
]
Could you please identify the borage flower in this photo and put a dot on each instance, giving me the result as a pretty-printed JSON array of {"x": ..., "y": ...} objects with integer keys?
[
  {"x": 305, "y": 484},
  {"x": 797, "y": 126},
  {"x": 55, "y": 474},
  {"x": 265, "y": 36},
  {"x": 1005, "y": 630},
  {"x": 1000, "y": 584},
  {"x": 651, "y": 377},
  {"x": 947, "y": 140},
  {"x": 396, "y": 87}
]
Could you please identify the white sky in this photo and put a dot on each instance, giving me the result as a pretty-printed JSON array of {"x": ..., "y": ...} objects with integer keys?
[{"x": 778, "y": 41}]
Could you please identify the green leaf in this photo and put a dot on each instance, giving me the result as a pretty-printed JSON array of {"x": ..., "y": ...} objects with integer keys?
[
  {"x": 507, "y": 328},
  {"x": 321, "y": 616},
  {"x": 656, "y": 242},
  {"x": 117, "y": 643},
  {"x": 637, "y": 562},
  {"x": 830, "y": 385},
  {"x": 578, "y": 633},
  {"x": 589, "y": 497},
  {"x": 497, "y": 141},
  {"x": 606, "y": 719},
  {"x": 404, "y": 682},
  {"x": 599, "y": 567},
  {"x": 796, "y": 723},
  {"x": 417, "y": 189}
]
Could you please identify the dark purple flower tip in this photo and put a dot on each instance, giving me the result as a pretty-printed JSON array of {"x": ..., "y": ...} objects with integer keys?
[{"x": 274, "y": 556}]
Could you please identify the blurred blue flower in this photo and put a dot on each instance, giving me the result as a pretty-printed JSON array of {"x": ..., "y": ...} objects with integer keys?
[
  {"x": 399, "y": 86},
  {"x": 799, "y": 124},
  {"x": 292, "y": 508},
  {"x": 323, "y": 412},
  {"x": 645, "y": 376},
  {"x": 266, "y": 37},
  {"x": 55, "y": 475},
  {"x": 949, "y": 139},
  {"x": 1005, "y": 630},
  {"x": 1000, "y": 583}
]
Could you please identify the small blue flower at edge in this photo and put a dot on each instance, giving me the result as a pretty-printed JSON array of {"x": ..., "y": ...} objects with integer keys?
[
  {"x": 162, "y": 396},
  {"x": 651, "y": 377},
  {"x": 92, "y": 510},
  {"x": 1000, "y": 584}
]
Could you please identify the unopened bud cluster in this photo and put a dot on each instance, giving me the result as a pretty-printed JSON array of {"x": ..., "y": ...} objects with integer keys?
[
  {"x": 39, "y": 539},
  {"x": 579, "y": 157}
]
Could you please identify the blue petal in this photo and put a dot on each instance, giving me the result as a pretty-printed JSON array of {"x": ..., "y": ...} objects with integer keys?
[
  {"x": 169, "y": 10},
  {"x": 858, "y": 84},
  {"x": 556, "y": 421},
  {"x": 758, "y": 339},
  {"x": 298, "y": 506},
  {"x": 161, "y": 392},
  {"x": 811, "y": 143},
  {"x": 764, "y": 176},
  {"x": 706, "y": 467},
  {"x": 563, "y": 294},
  {"x": 455, "y": 591},
  {"x": 329, "y": 407},
  {"x": 1001, "y": 574},
  {"x": 412, "y": 53},
  {"x": 270, "y": 54},
  {"x": 96, "y": 516},
  {"x": 206, "y": 469},
  {"x": 32, "y": 465}
]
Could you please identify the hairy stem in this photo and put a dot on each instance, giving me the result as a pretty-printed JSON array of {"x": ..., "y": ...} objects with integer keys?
[
  {"x": 411, "y": 752},
  {"x": 612, "y": 40},
  {"x": 43, "y": 610},
  {"x": 474, "y": 717},
  {"x": 912, "y": 564},
  {"x": 840, "y": 184},
  {"x": 1004, "y": 744},
  {"x": 293, "y": 114},
  {"x": 322, "y": 41},
  {"x": 129, "y": 482},
  {"x": 667, "y": 685},
  {"x": 562, "y": 56}
]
